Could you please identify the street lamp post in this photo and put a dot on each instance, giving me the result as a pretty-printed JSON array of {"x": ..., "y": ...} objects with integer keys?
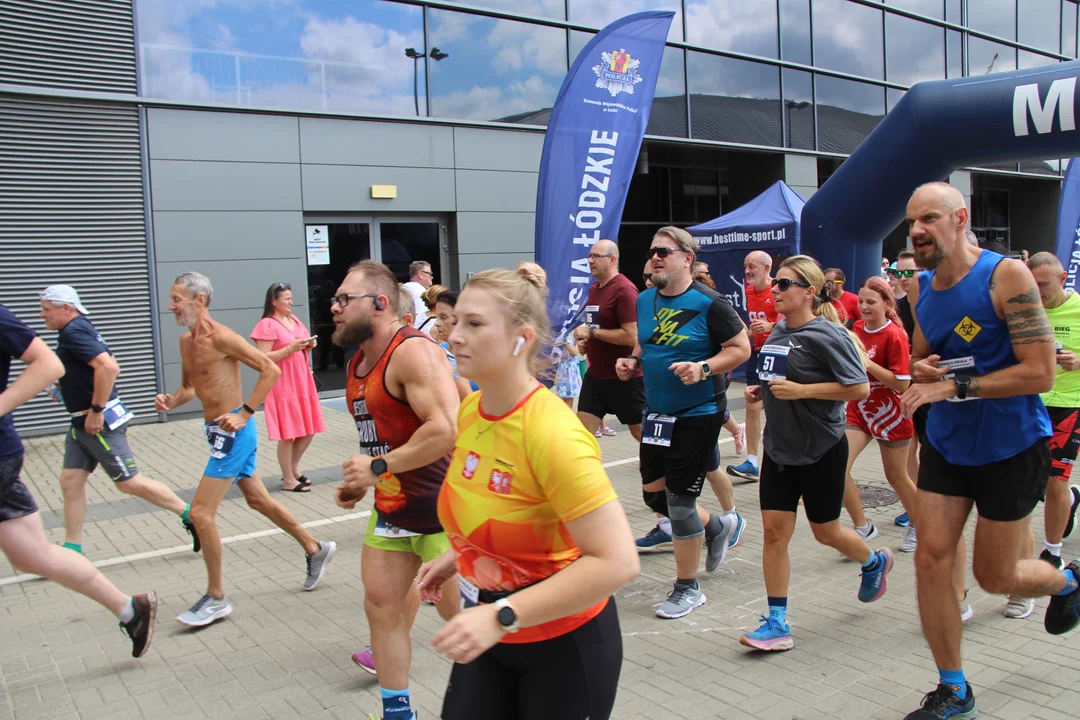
[{"x": 436, "y": 54}]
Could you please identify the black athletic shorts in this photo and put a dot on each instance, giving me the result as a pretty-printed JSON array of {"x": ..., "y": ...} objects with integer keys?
[
  {"x": 684, "y": 463},
  {"x": 1006, "y": 490},
  {"x": 623, "y": 399},
  {"x": 1065, "y": 441},
  {"x": 15, "y": 498},
  {"x": 919, "y": 420},
  {"x": 570, "y": 677},
  {"x": 820, "y": 485}
]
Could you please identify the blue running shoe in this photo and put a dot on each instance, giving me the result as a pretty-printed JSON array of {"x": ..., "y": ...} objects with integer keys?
[
  {"x": 657, "y": 539},
  {"x": 872, "y": 586},
  {"x": 736, "y": 534},
  {"x": 902, "y": 520},
  {"x": 746, "y": 470},
  {"x": 942, "y": 703},
  {"x": 773, "y": 635}
]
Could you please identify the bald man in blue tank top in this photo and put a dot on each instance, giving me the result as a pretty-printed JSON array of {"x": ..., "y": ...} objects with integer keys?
[{"x": 983, "y": 350}]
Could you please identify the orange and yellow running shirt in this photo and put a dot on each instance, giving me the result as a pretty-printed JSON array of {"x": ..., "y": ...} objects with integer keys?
[{"x": 513, "y": 484}]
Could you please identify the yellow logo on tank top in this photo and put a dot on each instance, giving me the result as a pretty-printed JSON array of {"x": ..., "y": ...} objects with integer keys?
[{"x": 967, "y": 329}]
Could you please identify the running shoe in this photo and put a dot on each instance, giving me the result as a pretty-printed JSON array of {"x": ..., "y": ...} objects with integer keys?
[
  {"x": 736, "y": 535},
  {"x": 316, "y": 564},
  {"x": 942, "y": 703},
  {"x": 681, "y": 602},
  {"x": 205, "y": 611},
  {"x": 873, "y": 583},
  {"x": 607, "y": 432},
  {"x": 1019, "y": 608},
  {"x": 196, "y": 546},
  {"x": 773, "y": 635},
  {"x": 740, "y": 439},
  {"x": 869, "y": 533},
  {"x": 910, "y": 542},
  {"x": 1051, "y": 558},
  {"x": 656, "y": 539},
  {"x": 716, "y": 547},
  {"x": 1074, "y": 490},
  {"x": 902, "y": 520},
  {"x": 745, "y": 470},
  {"x": 1063, "y": 613},
  {"x": 365, "y": 660},
  {"x": 141, "y": 627}
]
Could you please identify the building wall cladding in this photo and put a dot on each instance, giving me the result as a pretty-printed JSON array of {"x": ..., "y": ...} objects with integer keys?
[
  {"x": 230, "y": 191},
  {"x": 71, "y": 184}
]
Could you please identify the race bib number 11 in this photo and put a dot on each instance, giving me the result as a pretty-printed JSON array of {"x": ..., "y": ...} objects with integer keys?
[{"x": 658, "y": 429}]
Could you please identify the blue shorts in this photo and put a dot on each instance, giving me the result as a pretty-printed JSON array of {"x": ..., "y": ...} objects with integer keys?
[
  {"x": 232, "y": 455},
  {"x": 752, "y": 379}
]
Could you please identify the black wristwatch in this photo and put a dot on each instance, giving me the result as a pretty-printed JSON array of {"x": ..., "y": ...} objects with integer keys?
[
  {"x": 963, "y": 382},
  {"x": 635, "y": 358},
  {"x": 97, "y": 408},
  {"x": 507, "y": 616},
  {"x": 378, "y": 466},
  {"x": 245, "y": 406}
]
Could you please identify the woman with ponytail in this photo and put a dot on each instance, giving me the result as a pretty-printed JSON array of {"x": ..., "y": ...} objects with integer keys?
[{"x": 809, "y": 367}]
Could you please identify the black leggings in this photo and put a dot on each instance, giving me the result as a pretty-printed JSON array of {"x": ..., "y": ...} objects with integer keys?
[
  {"x": 571, "y": 677},
  {"x": 820, "y": 485}
]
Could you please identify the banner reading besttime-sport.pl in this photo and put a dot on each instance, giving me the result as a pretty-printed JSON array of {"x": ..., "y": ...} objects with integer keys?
[
  {"x": 1067, "y": 247},
  {"x": 590, "y": 152}
]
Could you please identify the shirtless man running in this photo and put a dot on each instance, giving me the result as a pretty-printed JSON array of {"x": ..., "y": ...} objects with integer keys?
[{"x": 211, "y": 354}]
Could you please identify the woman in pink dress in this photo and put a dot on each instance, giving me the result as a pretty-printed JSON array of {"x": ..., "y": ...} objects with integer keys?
[{"x": 293, "y": 413}]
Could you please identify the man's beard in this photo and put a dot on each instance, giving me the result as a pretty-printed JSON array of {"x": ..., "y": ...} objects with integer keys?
[
  {"x": 185, "y": 319},
  {"x": 932, "y": 261},
  {"x": 358, "y": 333},
  {"x": 660, "y": 281}
]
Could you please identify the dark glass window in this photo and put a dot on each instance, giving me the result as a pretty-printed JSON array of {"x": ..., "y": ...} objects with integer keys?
[
  {"x": 598, "y": 14},
  {"x": 847, "y": 112},
  {"x": 997, "y": 17},
  {"x": 668, "y": 114},
  {"x": 335, "y": 56},
  {"x": 734, "y": 100},
  {"x": 930, "y": 8},
  {"x": 795, "y": 31},
  {"x": 915, "y": 50},
  {"x": 648, "y": 200},
  {"x": 848, "y": 38},
  {"x": 541, "y": 8},
  {"x": 986, "y": 57},
  {"x": 799, "y": 109},
  {"x": 747, "y": 27},
  {"x": 1039, "y": 24},
  {"x": 496, "y": 70},
  {"x": 954, "y": 53},
  {"x": 695, "y": 195},
  {"x": 1068, "y": 28},
  {"x": 1031, "y": 60}
]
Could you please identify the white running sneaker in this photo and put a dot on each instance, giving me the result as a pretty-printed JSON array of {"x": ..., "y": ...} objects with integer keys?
[
  {"x": 207, "y": 610},
  {"x": 910, "y": 541},
  {"x": 868, "y": 534},
  {"x": 1019, "y": 608}
]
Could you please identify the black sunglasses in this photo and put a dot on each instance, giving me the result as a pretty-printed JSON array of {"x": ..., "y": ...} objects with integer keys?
[
  {"x": 902, "y": 273},
  {"x": 785, "y": 284},
  {"x": 662, "y": 252},
  {"x": 283, "y": 286}
]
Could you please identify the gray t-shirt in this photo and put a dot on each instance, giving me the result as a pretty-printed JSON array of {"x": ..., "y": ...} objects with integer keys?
[{"x": 799, "y": 432}]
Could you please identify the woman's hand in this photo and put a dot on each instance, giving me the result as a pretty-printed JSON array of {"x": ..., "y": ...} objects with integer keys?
[
  {"x": 297, "y": 346},
  {"x": 433, "y": 575},
  {"x": 786, "y": 390},
  {"x": 472, "y": 632}
]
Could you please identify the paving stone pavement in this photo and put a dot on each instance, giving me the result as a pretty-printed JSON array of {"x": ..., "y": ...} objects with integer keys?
[{"x": 285, "y": 653}]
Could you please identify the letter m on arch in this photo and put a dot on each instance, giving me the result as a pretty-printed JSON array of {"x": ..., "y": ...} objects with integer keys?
[{"x": 1059, "y": 99}]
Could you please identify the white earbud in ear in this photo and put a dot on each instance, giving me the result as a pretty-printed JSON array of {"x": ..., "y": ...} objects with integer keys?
[{"x": 518, "y": 344}]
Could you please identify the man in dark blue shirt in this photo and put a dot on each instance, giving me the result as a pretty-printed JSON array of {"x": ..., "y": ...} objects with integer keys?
[
  {"x": 98, "y": 434},
  {"x": 22, "y": 537},
  {"x": 686, "y": 334}
]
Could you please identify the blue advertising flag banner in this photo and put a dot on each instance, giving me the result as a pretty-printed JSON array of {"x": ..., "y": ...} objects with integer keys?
[
  {"x": 1067, "y": 248},
  {"x": 590, "y": 152}
]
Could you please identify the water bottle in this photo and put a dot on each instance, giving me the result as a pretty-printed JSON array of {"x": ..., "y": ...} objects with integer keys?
[{"x": 55, "y": 394}]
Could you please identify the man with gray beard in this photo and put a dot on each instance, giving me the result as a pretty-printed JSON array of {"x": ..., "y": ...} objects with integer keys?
[{"x": 211, "y": 355}]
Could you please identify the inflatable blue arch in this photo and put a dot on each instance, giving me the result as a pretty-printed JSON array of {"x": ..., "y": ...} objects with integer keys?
[{"x": 936, "y": 128}]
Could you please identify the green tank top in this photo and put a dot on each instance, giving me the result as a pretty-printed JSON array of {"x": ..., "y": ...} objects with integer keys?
[{"x": 1065, "y": 319}]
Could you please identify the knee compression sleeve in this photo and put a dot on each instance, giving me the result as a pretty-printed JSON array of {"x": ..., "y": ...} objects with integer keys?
[
  {"x": 656, "y": 500},
  {"x": 685, "y": 523}
]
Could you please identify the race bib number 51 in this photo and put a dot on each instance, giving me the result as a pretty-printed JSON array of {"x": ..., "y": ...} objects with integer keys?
[{"x": 772, "y": 362}]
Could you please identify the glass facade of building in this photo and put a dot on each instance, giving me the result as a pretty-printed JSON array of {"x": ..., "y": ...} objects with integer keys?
[{"x": 811, "y": 75}]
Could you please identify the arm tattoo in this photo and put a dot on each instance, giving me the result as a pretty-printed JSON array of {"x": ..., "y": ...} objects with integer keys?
[
  {"x": 1031, "y": 297},
  {"x": 1029, "y": 326}
]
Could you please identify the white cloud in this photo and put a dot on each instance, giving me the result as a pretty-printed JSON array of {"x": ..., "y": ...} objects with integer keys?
[{"x": 488, "y": 103}]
